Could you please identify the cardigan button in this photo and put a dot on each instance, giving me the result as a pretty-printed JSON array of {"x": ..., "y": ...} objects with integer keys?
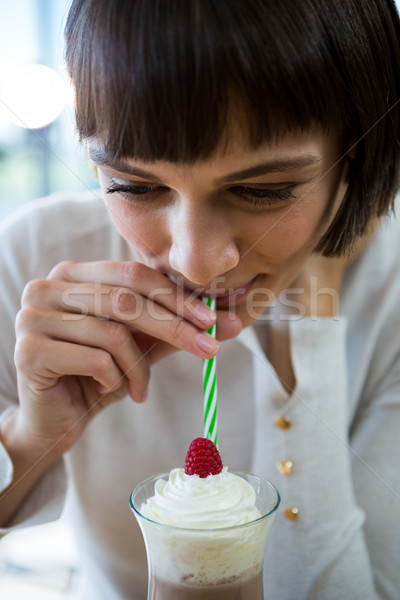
[
  {"x": 291, "y": 514},
  {"x": 283, "y": 422},
  {"x": 285, "y": 467}
]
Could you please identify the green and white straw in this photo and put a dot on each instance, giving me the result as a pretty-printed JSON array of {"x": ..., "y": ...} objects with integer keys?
[{"x": 210, "y": 387}]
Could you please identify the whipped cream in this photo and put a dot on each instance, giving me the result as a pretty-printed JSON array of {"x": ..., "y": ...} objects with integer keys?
[{"x": 189, "y": 501}]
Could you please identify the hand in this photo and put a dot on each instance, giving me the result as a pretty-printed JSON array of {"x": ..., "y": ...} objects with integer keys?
[{"x": 82, "y": 344}]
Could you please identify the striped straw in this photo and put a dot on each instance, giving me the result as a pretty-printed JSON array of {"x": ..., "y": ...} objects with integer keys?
[{"x": 210, "y": 387}]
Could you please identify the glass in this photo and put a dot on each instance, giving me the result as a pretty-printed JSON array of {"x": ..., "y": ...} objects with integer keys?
[{"x": 206, "y": 564}]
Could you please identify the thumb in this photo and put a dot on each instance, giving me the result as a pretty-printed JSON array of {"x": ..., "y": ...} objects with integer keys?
[{"x": 229, "y": 325}]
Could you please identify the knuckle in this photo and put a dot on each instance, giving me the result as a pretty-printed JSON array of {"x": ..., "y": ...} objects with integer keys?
[
  {"x": 34, "y": 291},
  {"x": 100, "y": 362},
  {"x": 27, "y": 353},
  {"x": 123, "y": 301},
  {"x": 117, "y": 334},
  {"x": 26, "y": 319},
  {"x": 61, "y": 270},
  {"x": 176, "y": 328},
  {"x": 133, "y": 271}
]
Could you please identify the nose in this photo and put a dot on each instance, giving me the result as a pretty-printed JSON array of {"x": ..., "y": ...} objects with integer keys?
[{"x": 203, "y": 245}]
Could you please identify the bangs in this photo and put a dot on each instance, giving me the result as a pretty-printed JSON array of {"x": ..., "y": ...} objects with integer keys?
[
  {"x": 161, "y": 80},
  {"x": 155, "y": 80}
]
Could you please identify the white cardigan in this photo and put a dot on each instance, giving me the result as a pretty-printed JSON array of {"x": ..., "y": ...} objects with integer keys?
[{"x": 343, "y": 440}]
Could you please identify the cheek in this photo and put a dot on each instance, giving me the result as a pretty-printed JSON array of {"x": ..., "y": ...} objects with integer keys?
[
  {"x": 295, "y": 230},
  {"x": 145, "y": 234}
]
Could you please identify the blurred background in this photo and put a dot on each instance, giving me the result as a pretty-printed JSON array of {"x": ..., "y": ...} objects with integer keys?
[{"x": 39, "y": 152}]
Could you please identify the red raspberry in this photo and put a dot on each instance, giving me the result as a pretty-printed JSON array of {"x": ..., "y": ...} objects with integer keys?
[{"x": 203, "y": 458}]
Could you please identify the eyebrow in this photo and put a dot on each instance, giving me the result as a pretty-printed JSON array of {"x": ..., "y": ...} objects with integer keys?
[
  {"x": 99, "y": 157},
  {"x": 281, "y": 165}
]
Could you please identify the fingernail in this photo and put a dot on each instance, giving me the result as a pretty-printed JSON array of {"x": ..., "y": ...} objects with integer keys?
[
  {"x": 204, "y": 313},
  {"x": 206, "y": 343}
]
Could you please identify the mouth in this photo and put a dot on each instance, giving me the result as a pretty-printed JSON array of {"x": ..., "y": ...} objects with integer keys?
[
  {"x": 234, "y": 295},
  {"x": 225, "y": 297}
]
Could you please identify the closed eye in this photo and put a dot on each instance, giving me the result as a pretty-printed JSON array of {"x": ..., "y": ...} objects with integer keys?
[
  {"x": 139, "y": 192},
  {"x": 255, "y": 197},
  {"x": 264, "y": 196}
]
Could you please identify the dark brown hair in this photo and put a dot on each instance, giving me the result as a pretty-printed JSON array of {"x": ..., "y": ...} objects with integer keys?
[{"x": 154, "y": 80}]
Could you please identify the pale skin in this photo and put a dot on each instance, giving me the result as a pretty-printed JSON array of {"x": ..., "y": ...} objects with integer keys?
[{"x": 194, "y": 228}]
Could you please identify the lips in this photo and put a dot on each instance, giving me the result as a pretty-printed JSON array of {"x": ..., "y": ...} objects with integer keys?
[
  {"x": 234, "y": 295},
  {"x": 226, "y": 296}
]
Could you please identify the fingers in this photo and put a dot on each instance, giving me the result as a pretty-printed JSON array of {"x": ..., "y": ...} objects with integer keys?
[
  {"x": 64, "y": 358},
  {"x": 115, "y": 343},
  {"x": 110, "y": 321},
  {"x": 229, "y": 325},
  {"x": 143, "y": 280},
  {"x": 124, "y": 306}
]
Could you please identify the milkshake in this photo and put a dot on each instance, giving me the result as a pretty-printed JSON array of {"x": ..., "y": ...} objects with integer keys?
[{"x": 205, "y": 529}]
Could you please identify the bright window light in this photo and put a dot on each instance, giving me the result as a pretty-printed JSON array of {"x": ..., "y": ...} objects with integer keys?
[{"x": 33, "y": 96}]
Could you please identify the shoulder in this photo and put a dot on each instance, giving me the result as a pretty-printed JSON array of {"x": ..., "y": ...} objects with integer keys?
[
  {"x": 56, "y": 228},
  {"x": 370, "y": 301},
  {"x": 376, "y": 271},
  {"x": 58, "y": 215}
]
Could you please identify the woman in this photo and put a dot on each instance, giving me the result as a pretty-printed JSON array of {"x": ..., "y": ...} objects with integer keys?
[{"x": 246, "y": 150}]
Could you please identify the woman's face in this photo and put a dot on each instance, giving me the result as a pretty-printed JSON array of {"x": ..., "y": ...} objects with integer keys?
[{"x": 239, "y": 225}]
